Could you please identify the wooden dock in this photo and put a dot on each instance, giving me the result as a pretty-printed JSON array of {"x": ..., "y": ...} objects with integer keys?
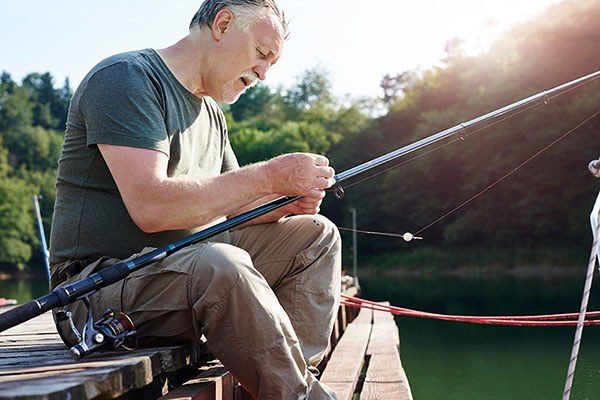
[
  {"x": 366, "y": 360},
  {"x": 34, "y": 364}
]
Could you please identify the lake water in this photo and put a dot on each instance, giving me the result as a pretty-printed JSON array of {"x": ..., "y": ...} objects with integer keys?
[
  {"x": 453, "y": 361},
  {"x": 447, "y": 360}
]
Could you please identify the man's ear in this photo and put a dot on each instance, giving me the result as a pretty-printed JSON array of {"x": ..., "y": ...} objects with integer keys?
[{"x": 222, "y": 22}]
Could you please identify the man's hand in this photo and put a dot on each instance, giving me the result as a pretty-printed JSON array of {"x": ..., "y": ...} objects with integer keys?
[
  {"x": 305, "y": 205},
  {"x": 300, "y": 174},
  {"x": 296, "y": 174}
]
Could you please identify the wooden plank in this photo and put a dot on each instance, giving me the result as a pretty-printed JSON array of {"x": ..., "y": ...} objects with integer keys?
[
  {"x": 34, "y": 364},
  {"x": 387, "y": 319},
  {"x": 346, "y": 362},
  {"x": 31, "y": 329},
  {"x": 337, "y": 331},
  {"x": 365, "y": 317},
  {"x": 30, "y": 340},
  {"x": 108, "y": 379},
  {"x": 213, "y": 383},
  {"x": 385, "y": 378}
]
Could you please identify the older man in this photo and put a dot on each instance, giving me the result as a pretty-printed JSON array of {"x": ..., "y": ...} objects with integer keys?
[{"x": 146, "y": 160}]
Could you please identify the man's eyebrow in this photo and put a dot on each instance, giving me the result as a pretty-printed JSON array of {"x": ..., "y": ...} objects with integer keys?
[{"x": 262, "y": 46}]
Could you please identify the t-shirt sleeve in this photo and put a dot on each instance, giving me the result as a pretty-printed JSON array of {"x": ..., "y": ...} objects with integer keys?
[
  {"x": 122, "y": 106},
  {"x": 230, "y": 162}
]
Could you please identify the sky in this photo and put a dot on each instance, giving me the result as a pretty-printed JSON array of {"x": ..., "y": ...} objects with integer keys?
[{"x": 357, "y": 42}]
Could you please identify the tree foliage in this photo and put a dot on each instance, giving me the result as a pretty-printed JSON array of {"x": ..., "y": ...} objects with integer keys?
[
  {"x": 545, "y": 202},
  {"x": 302, "y": 118},
  {"x": 32, "y": 116}
]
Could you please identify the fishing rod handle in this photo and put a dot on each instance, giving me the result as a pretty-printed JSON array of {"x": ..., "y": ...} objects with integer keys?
[
  {"x": 28, "y": 311},
  {"x": 63, "y": 295}
]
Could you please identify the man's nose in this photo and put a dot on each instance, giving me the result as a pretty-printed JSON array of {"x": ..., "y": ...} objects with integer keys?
[{"x": 261, "y": 71}]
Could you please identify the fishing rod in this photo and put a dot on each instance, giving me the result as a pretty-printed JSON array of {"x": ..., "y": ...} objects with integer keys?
[
  {"x": 42, "y": 234},
  {"x": 115, "y": 330}
]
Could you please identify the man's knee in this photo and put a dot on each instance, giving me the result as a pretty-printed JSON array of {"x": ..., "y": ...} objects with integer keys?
[
  {"x": 325, "y": 232},
  {"x": 322, "y": 257},
  {"x": 217, "y": 269}
]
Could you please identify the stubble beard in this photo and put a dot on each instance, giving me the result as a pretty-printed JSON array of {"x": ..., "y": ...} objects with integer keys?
[{"x": 230, "y": 94}]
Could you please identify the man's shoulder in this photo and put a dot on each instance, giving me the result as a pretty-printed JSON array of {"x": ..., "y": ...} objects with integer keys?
[{"x": 133, "y": 61}]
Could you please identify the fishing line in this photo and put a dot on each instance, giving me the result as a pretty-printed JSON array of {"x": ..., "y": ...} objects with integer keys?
[
  {"x": 403, "y": 236},
  {"x": 539, "y": 152},
  {"x": 480, "y": 193},
  {"x": 463, "y": 137}
]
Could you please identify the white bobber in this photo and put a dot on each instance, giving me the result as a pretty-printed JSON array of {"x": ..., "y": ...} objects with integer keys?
[{"x": 409, "y": 236}]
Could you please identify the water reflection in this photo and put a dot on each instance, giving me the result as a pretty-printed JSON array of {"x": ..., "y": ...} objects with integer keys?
[
  {"x": 23, "y": 290},
  {"x": 446, "y": 360}
]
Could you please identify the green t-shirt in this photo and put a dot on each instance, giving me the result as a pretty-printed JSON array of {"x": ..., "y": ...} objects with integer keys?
[{"x": 130, "y": 99}]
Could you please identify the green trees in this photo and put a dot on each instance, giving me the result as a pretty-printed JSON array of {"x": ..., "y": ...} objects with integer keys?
[
  {"x": 304, "y": 117},
  {"x": 16, "y": 222},
  {"x": 547, "y": 201},
  {"x": 32, "y": 118}
]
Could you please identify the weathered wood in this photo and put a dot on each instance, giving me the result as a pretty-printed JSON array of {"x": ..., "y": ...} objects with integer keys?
[
  {"x": 346, "y": 362},
  {"x": 34, "y": 364},
  {"x": 385, "y": 378},
  {"x": 107, "y": 379},
  {"x": 214, "y": 382}
]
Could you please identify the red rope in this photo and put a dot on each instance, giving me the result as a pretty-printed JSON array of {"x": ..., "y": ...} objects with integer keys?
[{"x": 516, "y": 320}]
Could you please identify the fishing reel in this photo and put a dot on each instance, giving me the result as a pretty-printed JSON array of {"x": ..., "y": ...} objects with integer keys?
[{"x": 114, "y": 330}]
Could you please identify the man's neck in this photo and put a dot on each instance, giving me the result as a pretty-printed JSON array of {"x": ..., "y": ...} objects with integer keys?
[{"x": 184, "y": 59}]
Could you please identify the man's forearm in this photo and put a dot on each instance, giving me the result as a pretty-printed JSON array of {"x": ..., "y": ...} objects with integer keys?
[
  {"x": 156, "y": 202},
  {"x": 188, "y": 202}
]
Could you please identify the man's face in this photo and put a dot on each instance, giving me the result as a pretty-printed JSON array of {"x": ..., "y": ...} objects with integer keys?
[{"x": 247, "y": 56}]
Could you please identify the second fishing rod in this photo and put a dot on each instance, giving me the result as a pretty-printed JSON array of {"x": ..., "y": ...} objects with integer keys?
[{"x": 80, "y": 289}]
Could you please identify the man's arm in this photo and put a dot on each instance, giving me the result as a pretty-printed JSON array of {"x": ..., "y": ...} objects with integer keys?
[{"x": 157, "y": 202}]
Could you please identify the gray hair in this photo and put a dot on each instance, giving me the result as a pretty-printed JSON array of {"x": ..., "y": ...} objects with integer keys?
[{"x": 245, "y": 10}]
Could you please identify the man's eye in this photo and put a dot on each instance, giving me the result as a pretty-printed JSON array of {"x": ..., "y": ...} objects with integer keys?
[{"x": 261, "y": 55}]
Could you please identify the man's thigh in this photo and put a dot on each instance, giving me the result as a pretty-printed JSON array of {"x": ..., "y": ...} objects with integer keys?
[
  {"x": 161, "y": 297},
  {"x": 284, "y": 248}
]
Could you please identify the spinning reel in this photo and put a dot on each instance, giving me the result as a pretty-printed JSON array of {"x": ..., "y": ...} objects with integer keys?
[{"x": 114, "y": 330}]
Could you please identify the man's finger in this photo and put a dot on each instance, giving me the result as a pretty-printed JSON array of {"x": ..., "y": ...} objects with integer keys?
[
  {"x": 320, "y": 160},
  {"x": 326, "y": 172},
  {"x": 324, "y": 183},
  {"x": 313, "y": 199},
  {"x": 315, "y": 193}
]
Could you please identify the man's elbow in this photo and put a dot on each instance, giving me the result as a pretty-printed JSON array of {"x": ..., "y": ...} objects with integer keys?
[
  {"x": 149, "y": 226},
  {"x": 147, "y": 220}
]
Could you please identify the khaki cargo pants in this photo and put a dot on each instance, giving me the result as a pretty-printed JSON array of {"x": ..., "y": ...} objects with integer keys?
[{"x": 266, "y": 302}]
